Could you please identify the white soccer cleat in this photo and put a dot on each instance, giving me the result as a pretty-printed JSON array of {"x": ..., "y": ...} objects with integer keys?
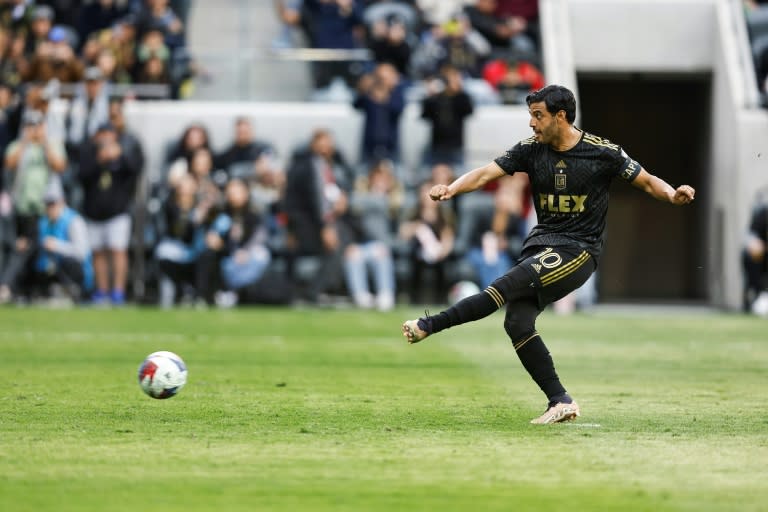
[
  {"x": 558, "y": 413},
  {"x": 412, "y": 332}
]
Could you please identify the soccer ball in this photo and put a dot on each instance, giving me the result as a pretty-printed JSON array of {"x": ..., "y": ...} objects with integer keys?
[
  {"x": 162, "y": 374},
  {"x": 462, "y": 290}
]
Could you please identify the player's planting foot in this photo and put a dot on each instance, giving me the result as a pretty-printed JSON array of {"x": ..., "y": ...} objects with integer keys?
[
  {"x": 416, "y": 330},
  {"x": 557, "y": 413}
]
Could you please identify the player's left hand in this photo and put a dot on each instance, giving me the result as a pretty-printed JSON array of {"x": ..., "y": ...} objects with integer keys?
[{"x": 684, "y": 194}]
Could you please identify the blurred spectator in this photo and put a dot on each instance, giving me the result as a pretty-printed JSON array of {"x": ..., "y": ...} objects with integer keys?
[
  {"x": 381, "y": 99},
  {"x": 333, "y": 24},
  {"x": 109, "y": 178},
  {"x": 446, "y": 108},
  {"x": 89, "y": 53},
  {"x": 122, "y": 40},
  {"x": 388, "y": 42},
  {"x": 430, "y": 232},
  {"x": 30, "y": 160},
  {"x": 153, "y": 57},
  {"x": 16, "y": 14},
  {"x": 38, "y": 97},
  {"x": 10, "y": 112},
  {"x": 244, "y": 149},
  {"x": 59, "y": 256},
  {"x": 54, "y": 58},
  {"x": 504, "y": 34},
  {"x": 378, "y": 198},
  {"x": 374, "y": 206},
  {"x": 514, "y": 79},
  {"x": 153, "y": 70},
  {"x": 267, "y": 185},
  {"x": 88, "y": 111},
  {"x": 528, "y": 10},
  {"x": 195, "y": 136},
  {"x": 180, "y": 246},
  {"x": 755, "y": 263},
  {"x": 453, "y": 43},
  {"x": 235, "y": 254},
  {"x": 437, "y": 12},
  {"x": 316, "y": 202},
  {"x": 210, "y": 181},
  {"x": 367, "y": 258},
  {"x": 39, "y": 28},
  {"x": 12, "y": 60},
  {"x": 497, "y": 238},
  {"x": 99, "y": 15},
  {"x": 158, "y": 15},
  {"x": 129, "y": 142}
]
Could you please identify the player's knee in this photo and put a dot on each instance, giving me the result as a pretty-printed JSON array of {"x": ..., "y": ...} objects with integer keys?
[{"x": 519, "y": 325}]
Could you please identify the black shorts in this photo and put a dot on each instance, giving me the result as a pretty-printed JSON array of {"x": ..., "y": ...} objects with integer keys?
[{"x": 556, "y": 271}]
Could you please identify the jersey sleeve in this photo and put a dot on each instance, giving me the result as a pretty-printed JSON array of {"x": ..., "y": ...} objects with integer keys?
[
  {"x": 517, "y": 158},
  {"x": 625, "y": 166}
]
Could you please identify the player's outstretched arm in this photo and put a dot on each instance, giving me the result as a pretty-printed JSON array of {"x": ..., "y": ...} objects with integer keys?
[
  {"x": 473, "y": 180},
  {"x": 662, "y": 190}
]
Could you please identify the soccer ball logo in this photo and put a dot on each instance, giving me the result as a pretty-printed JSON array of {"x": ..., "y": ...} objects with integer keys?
[{"x": 162, "y": 374}]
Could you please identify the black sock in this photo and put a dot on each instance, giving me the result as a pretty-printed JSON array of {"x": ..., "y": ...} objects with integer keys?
[
  {"x": 537, "y": 360},
  {"x": 466, "y": 310}
]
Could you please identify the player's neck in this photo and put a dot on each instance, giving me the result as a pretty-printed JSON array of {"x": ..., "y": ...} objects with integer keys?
[{"x": 568, "y": 139}]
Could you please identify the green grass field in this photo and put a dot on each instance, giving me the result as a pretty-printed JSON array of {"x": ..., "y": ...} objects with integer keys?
[{"x": 331, "y": 410}]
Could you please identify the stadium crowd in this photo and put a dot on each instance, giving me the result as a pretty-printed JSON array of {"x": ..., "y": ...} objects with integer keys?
[{"x": 246, "y": 225}]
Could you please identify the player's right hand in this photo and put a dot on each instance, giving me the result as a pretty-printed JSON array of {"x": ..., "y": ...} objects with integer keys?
[{"x": 440, "y": 193}]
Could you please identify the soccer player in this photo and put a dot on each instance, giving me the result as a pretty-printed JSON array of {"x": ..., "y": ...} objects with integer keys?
[{"x": 570, "y": 171}]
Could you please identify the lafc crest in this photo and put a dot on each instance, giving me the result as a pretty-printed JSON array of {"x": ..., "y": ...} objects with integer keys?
[{"x": 560, "y": 181}]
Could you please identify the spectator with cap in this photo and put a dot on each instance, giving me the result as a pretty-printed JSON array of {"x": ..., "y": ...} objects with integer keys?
[
  {"x": 60, "y": 256},
  {"x": 63, "y": 256},
  {"x": 55, "y": 58},
  {"x": 30, "y": 161},
  {"x": 109, "y": 179},
  {"x": 88, "y": 111}
]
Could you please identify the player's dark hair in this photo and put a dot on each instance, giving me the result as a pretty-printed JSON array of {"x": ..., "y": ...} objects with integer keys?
[{"x": 556, "y": 98}]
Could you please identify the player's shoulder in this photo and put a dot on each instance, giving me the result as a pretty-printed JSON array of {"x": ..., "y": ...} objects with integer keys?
[
  {"x": 527, "y": 142},
  {"x": 600, "y": 144}
]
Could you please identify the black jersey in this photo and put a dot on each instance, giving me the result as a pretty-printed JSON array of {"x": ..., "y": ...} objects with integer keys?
[{"x": 570, "y": 188}]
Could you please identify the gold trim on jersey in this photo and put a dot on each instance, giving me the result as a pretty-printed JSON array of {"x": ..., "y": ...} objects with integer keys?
[
  {"x": 495, "y": 295},
  {"x": 566, "y": 270},
  {"x": 529, "y": 140},
  {"x": 599, "y": 141},
  {"x": 519, "y": 344}
]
